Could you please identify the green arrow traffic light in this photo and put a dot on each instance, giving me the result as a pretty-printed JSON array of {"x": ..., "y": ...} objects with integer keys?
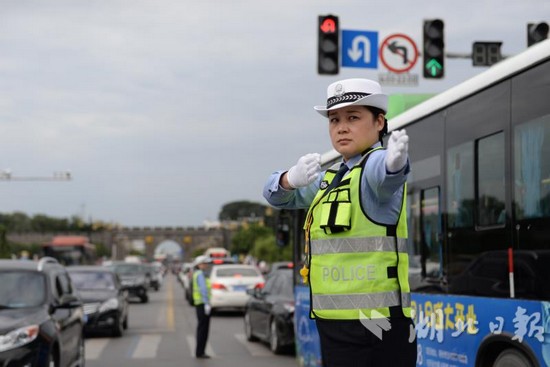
[
  {"x": 434, "y": 48},
  {"x": 434, "y": 67}
]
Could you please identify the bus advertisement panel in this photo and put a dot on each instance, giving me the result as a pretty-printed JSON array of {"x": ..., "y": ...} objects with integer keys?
[
  {"x": 308, "y": 348},
  {"x": 451, "y": 330}
]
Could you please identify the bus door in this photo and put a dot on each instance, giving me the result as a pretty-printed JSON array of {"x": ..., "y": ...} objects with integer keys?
[
  {"x": 426, "y": 251},
  {"x": 431, "y": 250}
]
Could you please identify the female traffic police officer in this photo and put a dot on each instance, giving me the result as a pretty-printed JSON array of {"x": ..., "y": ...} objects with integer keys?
[
  {"x": 201, "y": 300},
  {"x": 356, "y": 229}
]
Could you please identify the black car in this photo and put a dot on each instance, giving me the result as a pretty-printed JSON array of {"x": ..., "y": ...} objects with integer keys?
[
  {"x": 105, "y": 301},
  {"x": 269, "y": 313},
  {"x": 134, "y": 278},
  {"x": 41, "y": 316}
]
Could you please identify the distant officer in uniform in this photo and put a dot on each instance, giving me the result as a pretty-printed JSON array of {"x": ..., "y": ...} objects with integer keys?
[
  {"x": 201, "y": 300},
  {"x": 356, "y": 230}
]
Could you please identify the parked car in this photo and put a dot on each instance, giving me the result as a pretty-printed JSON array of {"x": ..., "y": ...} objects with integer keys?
[
  {"x": 133, "y": 278},
  {"x": 211, "y": 262},
  {"x": 269, "y": 313},
  {"x": 229, "y": 284},
  {"x": 105, "y": 301},
  {"x": 41, "y": 316}
]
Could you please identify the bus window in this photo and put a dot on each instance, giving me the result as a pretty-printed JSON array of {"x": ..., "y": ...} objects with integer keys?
[
  {"x": 532, "y": 169},
  {"x": 460, "y": 184},
  {"x": 490, "y": 177}
]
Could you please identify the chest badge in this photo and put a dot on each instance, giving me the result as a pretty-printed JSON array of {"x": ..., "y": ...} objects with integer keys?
[{"x": 323, "y": 185}]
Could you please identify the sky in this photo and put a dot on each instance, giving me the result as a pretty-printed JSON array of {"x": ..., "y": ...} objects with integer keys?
[{"x": 163, "y": 111}]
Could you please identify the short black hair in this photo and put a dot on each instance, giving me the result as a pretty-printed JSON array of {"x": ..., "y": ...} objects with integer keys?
[{"x": 378, "y": 111}]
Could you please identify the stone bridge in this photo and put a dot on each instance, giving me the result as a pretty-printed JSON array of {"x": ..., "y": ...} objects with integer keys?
[{"x": 120, "y": 240}]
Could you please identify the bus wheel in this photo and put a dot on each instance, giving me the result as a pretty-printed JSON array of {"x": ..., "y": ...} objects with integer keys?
[{"x": 512, "y": 358}]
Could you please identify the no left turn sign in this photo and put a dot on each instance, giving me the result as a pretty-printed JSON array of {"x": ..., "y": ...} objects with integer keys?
[{"x": 398, "y": 53}]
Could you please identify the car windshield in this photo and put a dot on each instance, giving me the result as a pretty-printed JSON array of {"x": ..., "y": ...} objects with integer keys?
[
  {"x": 88, "y": 280},
  {"x": 20, "y": 289},
  {"x": 237, "y": 272},
  {"x": 128, "y": 269}
]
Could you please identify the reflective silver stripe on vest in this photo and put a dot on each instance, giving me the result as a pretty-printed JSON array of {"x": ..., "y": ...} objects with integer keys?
[
  {"x": 356, "y": 301},
  {"x": 364, "y": 244},
  {"x": 406, "y": 299}
]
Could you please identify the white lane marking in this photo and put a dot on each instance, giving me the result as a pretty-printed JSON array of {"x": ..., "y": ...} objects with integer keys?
[
  {"x": 255, "y": 349},
  {"x": 94, "y": 347},
  {"x": 147, "y": 347}
]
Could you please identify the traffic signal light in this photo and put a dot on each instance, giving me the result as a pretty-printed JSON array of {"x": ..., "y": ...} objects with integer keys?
[
  {"x": 328, "y": 45},
  {"x": 536, "y": 32},
  {"x": 434, "y": 49},
  {"x": 283, "y": 229},
  {"x": 486, "y": 53}
]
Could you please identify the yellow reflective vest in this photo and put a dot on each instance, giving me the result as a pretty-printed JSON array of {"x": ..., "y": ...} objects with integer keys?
[
  {"x": 197, "y": 297},
  {"x": 357, "y": 268}
]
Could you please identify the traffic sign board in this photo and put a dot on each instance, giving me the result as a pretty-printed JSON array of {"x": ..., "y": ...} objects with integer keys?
[
  {"x": 398, "y": 53},
  {"x": 359, "y": 49}
]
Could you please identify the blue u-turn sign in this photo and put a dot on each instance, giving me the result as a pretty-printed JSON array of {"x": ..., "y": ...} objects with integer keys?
[{"x": 360, "y": 49}]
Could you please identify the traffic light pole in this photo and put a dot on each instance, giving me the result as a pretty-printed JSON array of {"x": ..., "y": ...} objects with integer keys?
[{"x": 456, "y": 55}]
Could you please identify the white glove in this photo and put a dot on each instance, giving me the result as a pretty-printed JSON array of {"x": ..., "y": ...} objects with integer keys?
[
  {"x": 397, "y": 151},
  {"x": 207, "y": 309},
  {"x": 305, "y": 171}
]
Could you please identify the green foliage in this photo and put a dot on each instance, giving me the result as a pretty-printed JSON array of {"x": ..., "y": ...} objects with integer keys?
[
  {"x": 266, "y": 249},
  {"x": 102, "y": 250},
  {"x": 197, "y": 252},
  {"x": 259, "y": 241},
  {"x": 5, "y": 251},
  {"x": 33, "y": 249},
  {"x": 20, "y": 222},
  {"x": 239, "y": 210},
  {"x": 135, "y": 252},
  {"x": 243, "y": 241}
]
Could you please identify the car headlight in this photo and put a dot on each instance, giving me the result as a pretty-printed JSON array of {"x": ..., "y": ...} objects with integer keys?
[
  {"x": 18, "y": 337},
  {"x": 110, "y": 304}
]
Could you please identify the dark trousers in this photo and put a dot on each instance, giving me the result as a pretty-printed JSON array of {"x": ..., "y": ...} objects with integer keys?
[
  {"x": 348, "y": 343},
  {"x": 203, "y": 325}
]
